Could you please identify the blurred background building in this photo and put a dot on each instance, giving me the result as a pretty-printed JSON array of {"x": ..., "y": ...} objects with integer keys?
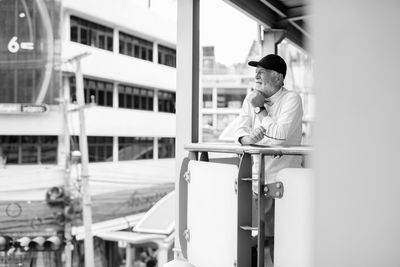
[{"x": 129, "y": 89}]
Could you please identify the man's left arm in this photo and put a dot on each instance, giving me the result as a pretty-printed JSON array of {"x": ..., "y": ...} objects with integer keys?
[{"x": 282, "y": 126}]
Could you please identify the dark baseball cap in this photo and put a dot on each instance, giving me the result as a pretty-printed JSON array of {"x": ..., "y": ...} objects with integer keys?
[{"x": 271, "y": 62}]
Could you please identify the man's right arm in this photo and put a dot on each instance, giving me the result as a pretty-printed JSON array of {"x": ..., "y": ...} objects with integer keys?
[
  {"x": 243, "y": 122},
  {"x": 244, "y": 134}
]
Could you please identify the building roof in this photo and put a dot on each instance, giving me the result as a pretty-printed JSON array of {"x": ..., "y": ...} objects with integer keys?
[{"x": 288, "y": 16}]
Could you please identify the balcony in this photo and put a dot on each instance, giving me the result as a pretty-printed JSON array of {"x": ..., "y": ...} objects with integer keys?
[{"x": 215, "y": 206}]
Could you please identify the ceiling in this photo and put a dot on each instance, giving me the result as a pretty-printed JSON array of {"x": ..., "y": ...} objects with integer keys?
[{"x": 290, "y": 16}]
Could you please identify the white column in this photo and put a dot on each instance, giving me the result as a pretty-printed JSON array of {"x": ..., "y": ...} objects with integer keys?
[
  {"x": 63, "y": 140},
  {"x": 186, "y": 96},
  {"x": 214, "y": 106},
  {"x": 155, "y": 52},
  {"x": 115, "y": 149},
  {"x": 162, "y": 254},
  {"x": 271, "y": 39},
  {"x": 356, "y": 47},
  {"x": 155, "y": 100},
  {"x": 115, "y": 95},
  {"x": 128, "y": 259},
  {"x": 155, "y": 148},
  {"x": 116, "y": 41}
]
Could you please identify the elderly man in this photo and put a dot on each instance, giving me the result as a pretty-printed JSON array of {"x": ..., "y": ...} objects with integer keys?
[{"x": 271, "y": 115}]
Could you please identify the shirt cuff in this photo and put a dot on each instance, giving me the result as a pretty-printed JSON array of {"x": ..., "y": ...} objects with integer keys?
[{"x": 238, "y": 135}]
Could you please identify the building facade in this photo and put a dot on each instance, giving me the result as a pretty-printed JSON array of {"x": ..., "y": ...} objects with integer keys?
[{"x": 129, "y": 80}]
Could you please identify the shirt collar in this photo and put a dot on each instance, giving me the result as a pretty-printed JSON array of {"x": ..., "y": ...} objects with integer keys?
[{"x": 275, "y": 97}]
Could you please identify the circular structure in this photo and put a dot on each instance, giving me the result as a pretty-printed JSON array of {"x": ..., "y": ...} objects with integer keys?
[{"x": 13, "y": 210}]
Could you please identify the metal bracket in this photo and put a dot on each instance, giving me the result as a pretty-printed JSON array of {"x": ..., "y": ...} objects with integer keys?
[
  {"x": 186, "y": 176},
  {"x": 186, "y": 235},
  {"x": 274, "y": 190}
]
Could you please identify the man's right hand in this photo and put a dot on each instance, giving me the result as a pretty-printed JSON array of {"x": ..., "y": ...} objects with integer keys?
[
  {"x": 255, "y": 136},
  {"x": 256, "y": 98}
]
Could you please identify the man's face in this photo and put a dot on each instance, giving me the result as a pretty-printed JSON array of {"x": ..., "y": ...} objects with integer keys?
[{"x": 267, "y": 81}]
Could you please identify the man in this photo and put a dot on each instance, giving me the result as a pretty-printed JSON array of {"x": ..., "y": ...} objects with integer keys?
[{"x": 271, "y": 115}]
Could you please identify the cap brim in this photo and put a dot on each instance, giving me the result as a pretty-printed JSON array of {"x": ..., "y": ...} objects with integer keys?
[{"x": 253, "y": 63}]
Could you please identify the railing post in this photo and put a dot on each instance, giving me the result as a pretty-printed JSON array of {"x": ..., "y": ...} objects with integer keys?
[
  {"x": 260, "y": 212},
  {"x": 244, "y": 211}
]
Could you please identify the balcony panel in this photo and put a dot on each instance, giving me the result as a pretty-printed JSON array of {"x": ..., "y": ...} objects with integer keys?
[
  {"x": 121, "y": 68},
  {"x": 32, "y": 124},
  {"x": 104, "y": 121}
]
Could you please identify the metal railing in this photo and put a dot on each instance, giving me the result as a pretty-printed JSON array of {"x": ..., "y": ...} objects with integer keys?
[{"x": 201, "y": 152}]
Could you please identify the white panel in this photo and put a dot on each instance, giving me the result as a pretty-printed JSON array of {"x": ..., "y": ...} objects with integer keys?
[
  {"x": 101, "y": 121},
  {"x": 294, "y": 214},
  {"x": 212, "y": 214},
  {"x": 160, "y": 218},
  {"x": 120, "y": 68},
  {"x": 34, "y": 124}
]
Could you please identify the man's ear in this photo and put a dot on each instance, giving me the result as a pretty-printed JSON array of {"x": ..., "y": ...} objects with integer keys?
[
  {"x": 277, "y": 78},
  {"x": 280, "y": 77}
]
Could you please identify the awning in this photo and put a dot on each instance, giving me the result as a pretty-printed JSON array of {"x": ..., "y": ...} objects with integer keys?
[
  {"x": 129, "y": 237},
  {"x": 157, "y": 225},
  {"x": 160, "y": 219},
  {"x": 108, "y": 226}
]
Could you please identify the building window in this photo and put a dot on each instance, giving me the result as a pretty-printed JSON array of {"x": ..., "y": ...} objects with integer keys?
[
  {"x": 96, "y": 91},
  {"x": 100, "y": 148},
  {"x": 166, "y": 56},
  {"x": 92, "y": 34},
  {"x": 133, "y": 148},
  {"x": 207, "y": 98},
  {"x": 230, "y": 97},
  {"x": 29, "y": 149},
  {"x": 135, "y": 97},
  {"x": 135, "y": 47},
  {"x": 166, "y": 101},
  {"x": 166, "y": 148}
]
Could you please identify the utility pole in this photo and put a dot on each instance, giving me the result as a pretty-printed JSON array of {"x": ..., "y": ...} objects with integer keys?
[
  {"x": 83, "y": 145},
  {"x": 67, "y": 173}
]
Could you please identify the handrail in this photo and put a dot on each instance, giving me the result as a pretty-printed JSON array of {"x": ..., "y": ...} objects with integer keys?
[{"x": 250, "y": 149}]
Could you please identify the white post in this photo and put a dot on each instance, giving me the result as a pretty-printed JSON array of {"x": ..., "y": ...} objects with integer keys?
[
  {"x": 155, "y": 52},
  {"x": 115, "y": 149},
  {"x": 187, "y": 95},
  {"x": 128, "y": 259},
  {"x": 87, "y": 205},
  {"x": 155, "y": 147},
  {"x": 66, "y": 163},
  {"x": 162, "y": 254}
]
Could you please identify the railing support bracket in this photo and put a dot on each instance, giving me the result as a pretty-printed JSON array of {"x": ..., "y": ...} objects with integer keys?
[{"x": 274, "y": 190}]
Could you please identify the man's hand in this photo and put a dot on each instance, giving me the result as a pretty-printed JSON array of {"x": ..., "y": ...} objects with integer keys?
[
  {"x": 255, "y": 136},
  {"x": 256, "y": 99}
]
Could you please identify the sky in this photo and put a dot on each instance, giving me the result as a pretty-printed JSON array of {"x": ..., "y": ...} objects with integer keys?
[{"x": 221, "y": 25}]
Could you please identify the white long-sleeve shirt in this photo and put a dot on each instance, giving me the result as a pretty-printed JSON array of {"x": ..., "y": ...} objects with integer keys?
[{"x": 283, "y": 126}]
